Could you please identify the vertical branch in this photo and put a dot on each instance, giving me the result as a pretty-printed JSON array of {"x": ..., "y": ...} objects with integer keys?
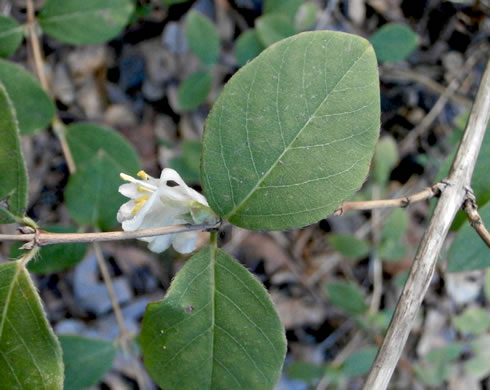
[{"x": 450, "y": 202}]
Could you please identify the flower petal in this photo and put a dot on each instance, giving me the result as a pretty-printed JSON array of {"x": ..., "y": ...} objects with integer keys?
[
  {"x": 160, "y": 243},
  {"x": 185, "y": 242},
  {"x": 180, "y": 193},
  {"x": 130, "y": 190}
]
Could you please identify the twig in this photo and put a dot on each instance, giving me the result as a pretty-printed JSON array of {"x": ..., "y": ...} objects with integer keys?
[
  {"x": 427, "y": 193},
  {"x": 36, "y": 47},
  {"x": 471, "y": 210},
  {"x": 425, "y": 260},
  {"x": 42, "y": 237}
]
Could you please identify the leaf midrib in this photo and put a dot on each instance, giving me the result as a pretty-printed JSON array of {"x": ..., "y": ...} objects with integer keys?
[
  {"x": 274, "y": 164},
  {"x": 8, "y": 299}
]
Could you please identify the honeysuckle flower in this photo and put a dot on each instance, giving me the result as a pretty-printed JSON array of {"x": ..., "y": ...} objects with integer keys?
[{"x": 163, "y": 202}]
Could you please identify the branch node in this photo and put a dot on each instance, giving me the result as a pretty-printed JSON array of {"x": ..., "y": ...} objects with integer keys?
[
  {"x": 35, "y": 241},
  {"x": 405, "y": 202}
]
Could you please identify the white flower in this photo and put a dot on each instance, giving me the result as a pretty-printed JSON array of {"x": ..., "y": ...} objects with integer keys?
[{"x": 163, "y": 202}]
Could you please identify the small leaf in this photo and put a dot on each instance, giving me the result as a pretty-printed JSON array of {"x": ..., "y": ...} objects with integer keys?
[
  {"x": 85, "y": 22},
  {"x": 486, "y": 285},
  {"x": 272, "y": 28},
  {"x": 293, "y": 132},
  {"x": 305, "y": 371},
  {"x": 392, "y": 233},
  {"x": 13, "y": 179},
  {"x": 473, "y": 320},
  {"x": 86, "y": 139},
  {"x": 202, "y": 37},
  {"x": 447, "y": 353},
  {"x": 33, "y": 106},
  {"x": 247, "y": 47},
  {"x": 188, "y": 165},
  {"x": 56, "y": 257},
  {"x": 385, "y": 159},
  {"x": 306, "y": 16},
  {"x": 185, "y": 171},
  {"x": 11, "y": 35},
  {"x": 468, "y": 251},
  {"x": 394, "y": 42},
  {"x": 288, "y": 8},
  {"x": 216, "y": 322},
  {"x": 360, "y": 361},
  {"x": 86, "y": 360},
  {"x": 346, "y": 296},
  {"x": 92, "y": 196},
  {"x": 349, "y": 245},
  {"x": 477, "y": 366},
  {"x": 30, "y": 357},
  {"x": 194, "y": 90},
  {"x": 172, "y": 2}
]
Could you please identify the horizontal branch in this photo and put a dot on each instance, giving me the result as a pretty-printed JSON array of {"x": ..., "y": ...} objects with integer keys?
[
  {"x": 41, "y": 237},
  {"x": 425, "y": 194},
  {"x": 471, "y": 210}
]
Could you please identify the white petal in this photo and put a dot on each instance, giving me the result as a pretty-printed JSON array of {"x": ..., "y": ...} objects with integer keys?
[
  {"x": 160, "y": 243},
  {"x": 185, "y": 242},
  {"x": 181, "y": 193},
  {"x": 130, "y": 190},
  {"x": 126, "y": 211},
  {"x": 136, "y": 222}
]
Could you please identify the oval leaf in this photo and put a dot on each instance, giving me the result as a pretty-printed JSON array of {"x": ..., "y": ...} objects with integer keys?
[
  {"x": 394, "y": 42},
  {"x": 273, "y": 28},
  {"x": 202, "y": 37},
  {"x": 286, "y": 7},
  {"x": 247, "y": 47},
  {"x": 84, "y": 22},
  {"x": 468, "y": 252},
  {"x": 86, "y": 360},
  {"x": 293, "y": 132},
  {"x": 194, "y": 90},
  {"x": 13, "y": 180},
  {"x": 33, "y": 106},
  {"x": 216, "y": 322},
  {"x": 30, "y": 355},
  {"x": 11, "y": 35},
  {"x": 347, "y": 296}
]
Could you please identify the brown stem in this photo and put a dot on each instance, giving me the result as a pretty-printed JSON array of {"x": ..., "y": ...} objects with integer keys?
[
  {"x": 427, "y": 193},
  {"x": 471, "y": 210},
  {"x": 36, "y": 47}
]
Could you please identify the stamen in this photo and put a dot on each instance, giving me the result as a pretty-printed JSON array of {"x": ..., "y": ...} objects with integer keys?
[
  {"x": 144, "y": 184},
  {"x": 139, "y": 204},
  {"x": 127, "y": 178},
  {"x": 141, "y": 188},
  {"x": 143, "y": 175}
]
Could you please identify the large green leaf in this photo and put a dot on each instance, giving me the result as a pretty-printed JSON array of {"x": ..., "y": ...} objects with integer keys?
[
  {"x": 30, "y": 355},
  {"x": 53, "y": 258},
  {"x": 84, "y": 22},
  {"x": 394, "y": 42},
  {"x": 33, "y": 106},
  {"x": 86, "y": 139},
  {"x": 293, "y": 132},
  {"x": 13, "y": 180},
  {"x": 11, "y": 35},
  {"x": 468, "y": 251},
  {"x": 215, "y": 329},
  {"x": 202, "y": 37},
  {"x": 86, "y": 360},
  {"x": 92, "y": 196}
]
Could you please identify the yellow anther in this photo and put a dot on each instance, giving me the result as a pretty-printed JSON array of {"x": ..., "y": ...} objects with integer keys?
[
  {"x": 140, "y": 188},
  {"x": 143, "y": 175},
  {"x": 139, "y": 203}
]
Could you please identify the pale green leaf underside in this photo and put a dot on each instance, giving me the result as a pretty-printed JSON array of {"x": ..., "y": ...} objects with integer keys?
[
  {"x": 13, "y": 177},
  {"x": 293, "y": 132},
  {"x": 215, "y": 329},
  {"x": 84, "y": 22},
  {"x": 30, "y": 355}
]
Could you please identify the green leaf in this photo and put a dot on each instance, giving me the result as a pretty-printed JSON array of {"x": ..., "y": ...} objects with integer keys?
[
  {"x": 477, "y": 366},
  {"x": 473, "y": 320},
  {"x": 194, "y": 90},
  {"x": 394, "y": 42},
  {"x": 86, "y": 360},
  {"x": 468, "y": 251},
  {"x": 202, "y": 37},
  {"x": 346, "y": 296},
  {"x": 486, "y": 285},
  {"x": 172, "y": 2},
  {"x": 393, "y": 231},
  {"x": 305, "y": 371},
  {"x": 85, "y": 22},
  {"x": 13, "y": 180},
  {"x": 306, "y": 16},
  {"x": 272, "y": 28},
  {"x": 188, "y": 165},
  {"x": 288, "y": 8},
  {"x": 385, "y": 159},
  {"x": 30, "y": 355},
  {"x": 11, "y": 35},
  {"x": 360, "y": 361},
  {"x": 53, "y": 258},
  {"x": 92, "y": 196},
  {"x": 185, "y": 171},
  {"x": 247, "y": 47},
  {"x": 349, "y": 245},
  {"x": 479, "y": 181},
  {"x": 33, "y": 106},
  {"x": 86, "y": 139},
  {"x": 293, "y": 132},
  {"x": 215, "y": 329},
  {"x": 447, "y": 353}
]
